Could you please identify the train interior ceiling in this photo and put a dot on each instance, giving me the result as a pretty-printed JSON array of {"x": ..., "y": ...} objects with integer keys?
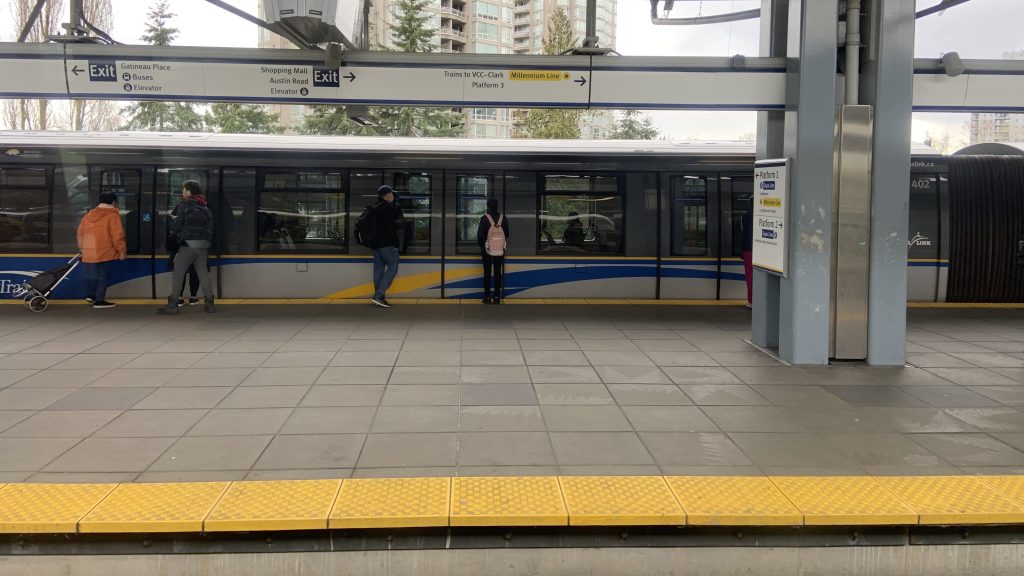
[{"x": 591, "y": 219}]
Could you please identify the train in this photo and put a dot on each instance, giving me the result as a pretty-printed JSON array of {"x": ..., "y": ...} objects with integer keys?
[{"x": 660, "y": 219}]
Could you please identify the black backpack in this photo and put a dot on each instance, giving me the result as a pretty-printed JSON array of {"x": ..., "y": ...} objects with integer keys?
[
  {"x": 196, "y": 223},
  {"x": 366, "y": 226}
]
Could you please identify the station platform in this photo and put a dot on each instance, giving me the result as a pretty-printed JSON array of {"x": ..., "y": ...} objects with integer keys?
[{"x": 427, "y": 425}]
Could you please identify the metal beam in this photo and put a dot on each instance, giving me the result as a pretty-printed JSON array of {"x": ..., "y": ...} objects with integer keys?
[
  {"x": 504, "y": 81},
  {"x": 32, "y": 17},
  {"x": 287, "y": 34}
]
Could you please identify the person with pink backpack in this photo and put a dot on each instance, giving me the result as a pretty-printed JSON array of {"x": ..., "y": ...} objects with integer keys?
[{"x": 492, "y": 236}]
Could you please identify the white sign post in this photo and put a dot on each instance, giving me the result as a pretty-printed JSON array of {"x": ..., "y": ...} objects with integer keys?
[{"x": 771, "y": 195}]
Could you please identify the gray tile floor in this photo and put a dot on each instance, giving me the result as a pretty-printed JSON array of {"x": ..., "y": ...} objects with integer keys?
[{"x": 265, "y": 392}]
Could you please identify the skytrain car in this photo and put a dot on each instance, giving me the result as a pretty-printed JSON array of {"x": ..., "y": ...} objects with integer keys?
[{"x": 660, "y": 219}]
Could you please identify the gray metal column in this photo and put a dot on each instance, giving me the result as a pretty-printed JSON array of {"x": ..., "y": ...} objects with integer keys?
[
  {"x": 810, "y": 141},
  {"x": 771, "y": 132},
  {"x": 888, "y": 86}
]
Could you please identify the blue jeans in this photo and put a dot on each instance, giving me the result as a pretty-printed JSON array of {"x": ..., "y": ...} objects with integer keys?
[
  {"x": 97, "y": 278},
  {"x": 385, "y": 266}
]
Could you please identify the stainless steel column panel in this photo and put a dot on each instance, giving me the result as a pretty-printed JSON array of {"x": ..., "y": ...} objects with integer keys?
[{"x": 852, "y": 234}]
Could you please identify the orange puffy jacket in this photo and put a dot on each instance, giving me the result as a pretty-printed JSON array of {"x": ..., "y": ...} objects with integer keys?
[{"x": 101, "y": 236}]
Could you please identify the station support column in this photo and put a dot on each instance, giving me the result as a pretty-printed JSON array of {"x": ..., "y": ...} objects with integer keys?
[
  {"x": 887, "y": 85},
  {"x": 803, "y": 297}
]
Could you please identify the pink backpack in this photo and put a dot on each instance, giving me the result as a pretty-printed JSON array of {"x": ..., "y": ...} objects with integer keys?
[{"x": 495, "y": 245}]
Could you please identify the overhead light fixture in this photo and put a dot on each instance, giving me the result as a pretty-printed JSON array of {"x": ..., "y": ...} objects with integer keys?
[{"x": 952, "y": 64}]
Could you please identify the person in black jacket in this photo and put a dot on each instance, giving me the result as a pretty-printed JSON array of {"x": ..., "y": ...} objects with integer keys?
[
  {"x": 192, "y": 225},
  {"x": 388, "y": 222},
  {"x": 492, "y": 263},
  {"x": 747, "y": 229},
  {"x": 173, "y": 244}
]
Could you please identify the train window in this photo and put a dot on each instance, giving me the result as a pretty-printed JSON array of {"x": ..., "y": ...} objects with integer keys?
[
  {"x": 473, "y": 192},
  {"x": 302, "y": 210},
  {"x": 414, "y": 194},
  {"x": 126, "y": 185},
  {"x": 580, "y": 213},
  {"x": 689, "y": 216},
  {"x": 168, "y": 194},
  {"x": 923, "y": 240},
  {"x": 237, "y": 216},
  {"x": 742, "y": 203},
  {"x": 24, "y": 209}
]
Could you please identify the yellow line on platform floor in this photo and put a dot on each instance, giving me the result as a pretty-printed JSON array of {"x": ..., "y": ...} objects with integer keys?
[{"x": 247, "y": 506}]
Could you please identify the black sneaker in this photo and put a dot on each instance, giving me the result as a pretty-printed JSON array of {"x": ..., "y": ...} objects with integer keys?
[
  {"x": 193, "y": 301},
  {"x": 103, "y": 304},
  {"x": 487, "y": 300},
  {"x": 380, "y": 302},
  {"x": 495, "y": 300}
]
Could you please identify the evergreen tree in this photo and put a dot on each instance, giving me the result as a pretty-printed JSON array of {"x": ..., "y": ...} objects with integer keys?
[
  {"x": 556, "y": 123},
  {"x": 632, "y": 127},
  {"x": 162, "y": 116},
  {"x": 409, "y": 33},
  {"x": 242, "y": 119}
]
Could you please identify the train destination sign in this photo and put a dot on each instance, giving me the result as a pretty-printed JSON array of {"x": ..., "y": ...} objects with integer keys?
[
  {"x": 771, "y": 192},
  {"x": 212, "y": 81}
]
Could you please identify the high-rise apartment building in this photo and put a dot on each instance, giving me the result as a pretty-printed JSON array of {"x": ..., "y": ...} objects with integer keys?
[
  {"x": 502, "y": 27},
  {"x": 998, "y": 126},
  {"x": 482, "y": 27}
]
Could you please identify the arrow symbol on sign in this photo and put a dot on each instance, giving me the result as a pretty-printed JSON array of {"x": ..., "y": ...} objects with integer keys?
[
  {"x": 350, "y": 76},
  {"x": 77, "y": 70},
  {"x": 581, "y": 81}
]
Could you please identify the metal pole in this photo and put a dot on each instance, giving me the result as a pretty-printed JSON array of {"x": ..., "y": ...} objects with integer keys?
[
  {"x": 591, "y": 38},
  {"x": 75, "y": 13},
  {"x": 32, "y": 17},
  {"x": 852, "y": 51}
]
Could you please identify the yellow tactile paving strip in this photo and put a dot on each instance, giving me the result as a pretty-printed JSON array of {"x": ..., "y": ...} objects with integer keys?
[
  {"x": 844, "y": 501},
  {"x": 251, "y": 506},
  {"x": 954, "y": 500},
  {"x": 733, "y": 501},
  {"x": 525, "y": 501},
  {"x": 48, "y": 508},
  {"x": 620, "y": 501},
  {"x": 155, "y": 508},
  {"x": 511, "y": 501},
  {"x": 392, "y": 503}
]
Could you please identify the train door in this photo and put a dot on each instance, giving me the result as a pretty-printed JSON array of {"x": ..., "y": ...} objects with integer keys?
[
  {"x": 133, "y": 279},
  {"x": 737, "y": 193},
  {"x": 166, "y": 195},
  {"x": 421, "y": 196},
  {"x": 923, "y": 239},
  {"x": 468, "y": 192},
  {"x": 690, "y": 237}
]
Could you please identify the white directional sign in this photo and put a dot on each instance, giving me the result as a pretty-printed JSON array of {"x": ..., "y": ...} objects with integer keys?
[
  {"x": 22, "y": 75},
  {"x": 309, "y": 83},
  {"x": 771, "y": 192},
  {"x": 669, "y": 89}
]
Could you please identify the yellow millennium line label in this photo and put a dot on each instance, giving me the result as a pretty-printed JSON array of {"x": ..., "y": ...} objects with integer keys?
[
  {"x": 774, "y": 202},
  {"x": 538, "y": 75}
]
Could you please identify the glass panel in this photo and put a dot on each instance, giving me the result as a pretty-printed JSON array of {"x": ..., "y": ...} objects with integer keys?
[
  {"x": 24, "y": 209},
  {"x": 689, "y": 216},
  {"x": 923, "y": 240},
  {"x": 302, "y": 210},
  {"x": 742, "y": 203},
  {"x": 168, "y": 195},
  {"x": 473, "y": 192},
  {"x": 238, "y": 218},
  {"x": 590, "y": 220},
  {"x": 414, "y": 195},
  {"x": 127, "y": 185}
]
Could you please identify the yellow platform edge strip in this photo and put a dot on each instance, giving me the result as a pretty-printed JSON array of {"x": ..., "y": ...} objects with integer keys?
[{"x": 537, "y": 501}]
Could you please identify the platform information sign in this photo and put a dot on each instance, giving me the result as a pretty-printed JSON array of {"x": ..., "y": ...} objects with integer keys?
[
  {"x": 771, "y": 194},
  {"x": 216, "y": 81}
]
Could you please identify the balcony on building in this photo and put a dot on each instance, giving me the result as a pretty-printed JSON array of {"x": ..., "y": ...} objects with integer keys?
[
  {"x": 454, "y": 10},
  {"x": 452, "y": 32}
]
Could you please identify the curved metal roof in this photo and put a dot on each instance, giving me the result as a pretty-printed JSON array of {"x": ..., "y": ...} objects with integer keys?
[{"x": 993, "y": 149}]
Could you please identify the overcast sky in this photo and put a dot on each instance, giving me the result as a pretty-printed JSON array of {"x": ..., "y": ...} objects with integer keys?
[{"x": 977, "y": 29}]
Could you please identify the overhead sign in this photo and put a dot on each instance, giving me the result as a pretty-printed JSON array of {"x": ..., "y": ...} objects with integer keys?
[
  {"x": 126, "y": 79},
  {"x": 771, "y": 193}
]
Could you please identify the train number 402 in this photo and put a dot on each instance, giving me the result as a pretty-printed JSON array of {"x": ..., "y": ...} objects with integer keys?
[{"x": 921, "y": 183}]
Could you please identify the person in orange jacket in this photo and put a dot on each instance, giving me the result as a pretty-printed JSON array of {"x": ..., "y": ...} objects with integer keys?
[{"x": 101, "y": 241}]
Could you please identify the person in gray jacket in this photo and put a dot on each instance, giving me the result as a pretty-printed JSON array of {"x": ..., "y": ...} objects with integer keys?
[{"x": 192, "y": 227}]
